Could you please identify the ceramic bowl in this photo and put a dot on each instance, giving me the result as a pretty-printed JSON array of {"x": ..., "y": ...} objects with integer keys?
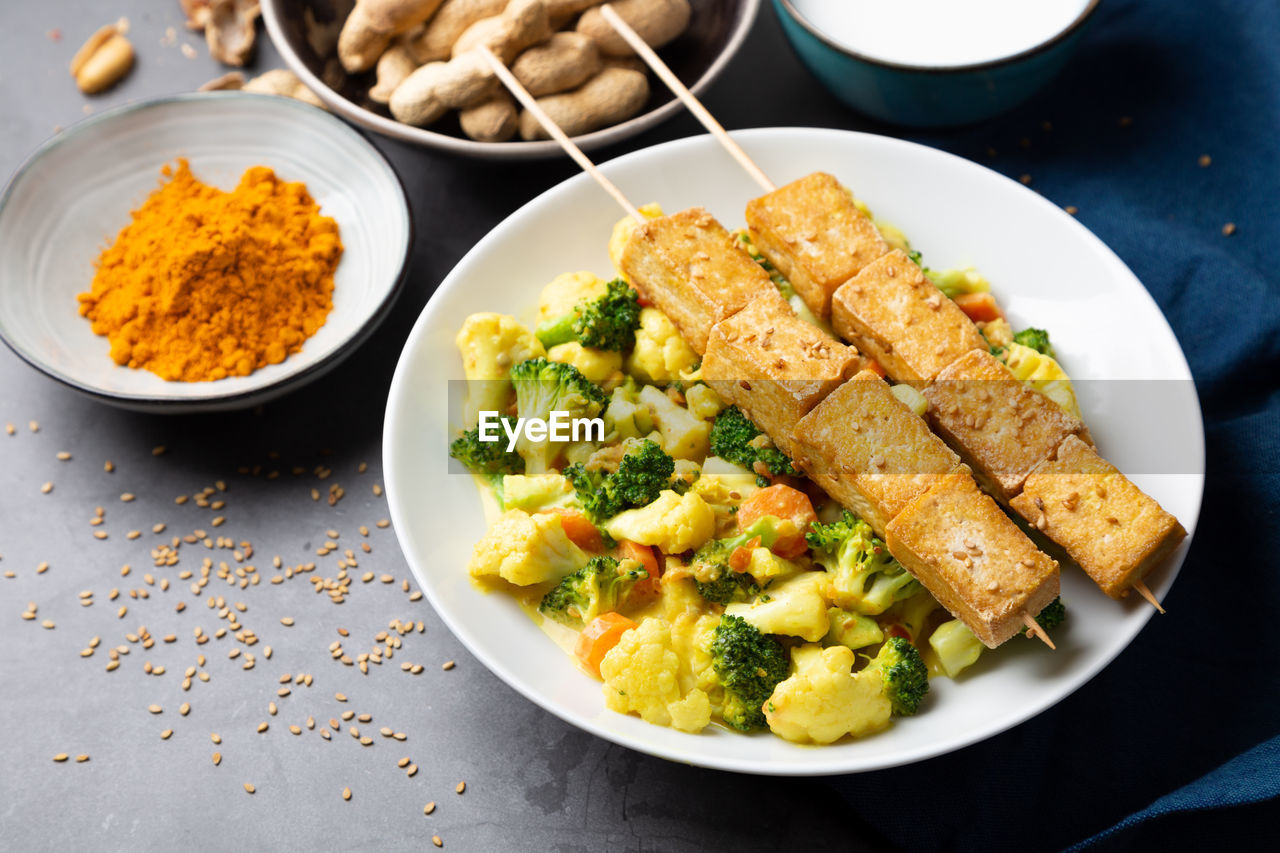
[
  {"x": 958, "y": 214},
  {"x": 73, "y": 195},
  {"x": 305, "y": 32},
  {"x": 928, "y": 96}
]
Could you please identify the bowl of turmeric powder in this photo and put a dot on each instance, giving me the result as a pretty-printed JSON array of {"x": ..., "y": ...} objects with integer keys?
[{"x": 200, "y": 252}]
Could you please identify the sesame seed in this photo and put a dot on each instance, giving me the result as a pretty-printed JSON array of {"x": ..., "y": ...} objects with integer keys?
[
  {"x": 166, "y": 734},
  {"x": 383, "y": 523},
  {"x": 215, "y": 737},
  {"x": 46, "y": 488},
  {"x": 155, "y": 709},
  {"x": 1204, "y": 161},
  {"x": 128, "y": 497},
  {"x": 262, "y": 727},
  {"x": 341, "y": 697},
  {"x": 108, "y": 466},
  {"x": 346, "y": 793},
  {"x": 402, "y": 763},
  {"x": 61, "y": 756},
  {"x": 429, "y": 807},
  {"x": 295, "y": 730},
  {"x": 447, "y": 665},
  {"x": 1025, "y": 180},
  {"x": 412, "y": 770},
  {"x": 34, "y": 426},
  {"x": 271, "y": 708},
  {"x": 435, "y": 839},
  {"x": 159, "y": 450},
  {"x": 287, "y": 622},
  {"x": 461, "y": 787},
  {"x": 217, "y": 759},
  {"x": 377, "y": 490},
  {"x": 1228, "y": 229},
  {"x": 1072, "y": 209},
  {"x": 64, "y": 456},
  {"x": 248, "y": 788},
  {"x": 82, "y": 758}
]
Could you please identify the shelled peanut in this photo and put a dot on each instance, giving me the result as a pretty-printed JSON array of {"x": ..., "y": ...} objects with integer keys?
[{"x": 426, "y": 66}]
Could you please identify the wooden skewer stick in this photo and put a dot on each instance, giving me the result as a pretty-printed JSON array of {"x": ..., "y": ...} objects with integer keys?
[
  {"x": 1145, "y": 592},
  {"x": 686, "y": 97},
  {"x": 1037, "y": 630},
  {"x": 527, "y": 101}
]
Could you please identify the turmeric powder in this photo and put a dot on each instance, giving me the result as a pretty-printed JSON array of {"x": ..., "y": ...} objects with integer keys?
[{"x": 205, "y": 284}]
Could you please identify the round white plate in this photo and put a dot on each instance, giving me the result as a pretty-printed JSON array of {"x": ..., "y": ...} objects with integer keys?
[
  {"x": 72, "y": 196},
  {"x": 1046, "y": 269}
]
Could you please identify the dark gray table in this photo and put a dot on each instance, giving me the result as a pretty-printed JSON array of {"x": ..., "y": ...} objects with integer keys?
[{"x": 533, "y": 782}]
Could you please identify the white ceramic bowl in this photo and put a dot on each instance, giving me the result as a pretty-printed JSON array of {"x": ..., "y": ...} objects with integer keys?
[
  {"x": 1046, "y": 269},
  {"x": 71, "y": 197}
]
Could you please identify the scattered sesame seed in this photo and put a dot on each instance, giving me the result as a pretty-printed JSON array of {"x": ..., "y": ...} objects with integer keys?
[
  {"x": 412, "y": 770},
  {"x": 166, "y": 734},
  {"x": 215, "y": 737},
  {"x": 184, "y": 709},
  {"x": 61, "y": 756},
  {"x": 435, "y": 839},
  {"x": 402, "y": 763},
  {"x": 155, "y": 709},
  {"x": 447, "y": 665},
  {"x": 461, "y": 787},
  {"x": 108, "y": 466},
  {"x": 217, "y": 759},
  {"x": 429, "y": 807},
  {"x": 346, "y": 793},
  {"x": 1072, "y": 209},
  {"x": 262, "y": 727},
  {"x": 46, "y": 488},
  {"x": 377, "y": 490},
  {"x": 1204, "y": 161},
  {"x": 341, "y": 697},
  {"x": 128, "y": 497},
  {"x": 82, "y": 758},
  {"x": 34, "y": 426},
  {"x": 287, "y": 622},
  {"x": 1025, "y": 180},
  {"x": 383, "y": 523},
  {"x": 1228, "y": 229},
  {"x": 158, "y": 450},
  {"x": 248, "y": 788},
  {"x": 64, "y": 456}
]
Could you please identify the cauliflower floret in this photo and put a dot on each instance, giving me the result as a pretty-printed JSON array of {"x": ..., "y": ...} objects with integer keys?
[
  {"x": 1043, "y": 373},
  {"x": 566, "y": 291},
  {"x": 793, "y": 606},
  {"x": 526, "y": 549},
  {"x": 703, "y": 401},
  {"x": 596, "y": 364},
  {"x": 764, "y": 566},
  {"x": 621, "y": 234},
  {"x": 642, "y": 675},
  {"x": 822, "y": 701},
  {"x": 490, "y": 344},
  {"x": 660, "y": 354},
  {"x": 673, "y": 523},
  {"x": 684, "y": 435}
]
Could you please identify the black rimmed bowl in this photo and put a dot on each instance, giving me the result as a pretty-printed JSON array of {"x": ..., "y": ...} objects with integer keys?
[
  {"x": 72, "y": 196},
  {"x": 305, "y": 32},
  {"x": 924, "y": 95}
]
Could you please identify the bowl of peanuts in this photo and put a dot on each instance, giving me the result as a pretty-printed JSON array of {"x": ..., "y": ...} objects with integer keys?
[{"x": 409, "y": 69}]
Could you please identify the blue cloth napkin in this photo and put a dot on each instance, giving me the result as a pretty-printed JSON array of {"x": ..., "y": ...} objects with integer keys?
[{"x": 1120, "y": 135}]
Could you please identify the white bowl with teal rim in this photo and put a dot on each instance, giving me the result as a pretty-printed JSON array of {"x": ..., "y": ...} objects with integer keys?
[{"x": 934, "y": 63}]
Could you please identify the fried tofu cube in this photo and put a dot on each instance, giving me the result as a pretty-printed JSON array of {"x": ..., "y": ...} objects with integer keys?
[
  {"x": 815, "y": 235},
  {"x": 774, "y": 366},
  {"x": 958, "y": 542},
  {"x": 1110, "y": 527},
  {"x": 892, "y": 313},
  {"x": 869, "y": 451},
  {"x": 689, "y": 267},
  {"x": 1001, "y": 427}
]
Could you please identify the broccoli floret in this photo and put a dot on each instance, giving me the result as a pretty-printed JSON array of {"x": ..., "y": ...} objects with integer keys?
[
  {"x": 607, "y": 323},
  {"x": 749, "y": 664},
  {"x": 865, "y": 578},
  {"x": 543, "y": 387},
  {"x": 712, "y": 575},
  {"x": 602, "y": 585},
  {"x": 735, "y": 438},
  {"x": 1036, "y": 339},
  {"x": 903, "y": 674},
  {"x": 1053, "y": 615},
  {"x": 644, "y": 471},
  {"x": 488, "y": 458}
]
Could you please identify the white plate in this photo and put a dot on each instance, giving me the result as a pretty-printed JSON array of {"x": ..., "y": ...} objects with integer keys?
[
  {"x": 68, "y": 201},
  {"x": 1046, "y": 269}
]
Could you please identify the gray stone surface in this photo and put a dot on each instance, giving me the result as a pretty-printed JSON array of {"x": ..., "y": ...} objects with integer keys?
[{"x": 533, "y": 782}]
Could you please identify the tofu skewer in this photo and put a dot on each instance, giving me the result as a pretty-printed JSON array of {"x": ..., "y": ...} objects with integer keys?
[
  {"x": 787, "y": 224},
  {"x": 729, "y": 310}
]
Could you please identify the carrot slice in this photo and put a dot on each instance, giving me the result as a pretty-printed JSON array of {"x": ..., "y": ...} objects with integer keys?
[
  {"x": 651, "y": 586},
  {"x": 579, "y": 529},
  {"x": 601, "y": 634},
  {"x": 785, "y": 503},
  {"x": 980, "y": 307}
]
